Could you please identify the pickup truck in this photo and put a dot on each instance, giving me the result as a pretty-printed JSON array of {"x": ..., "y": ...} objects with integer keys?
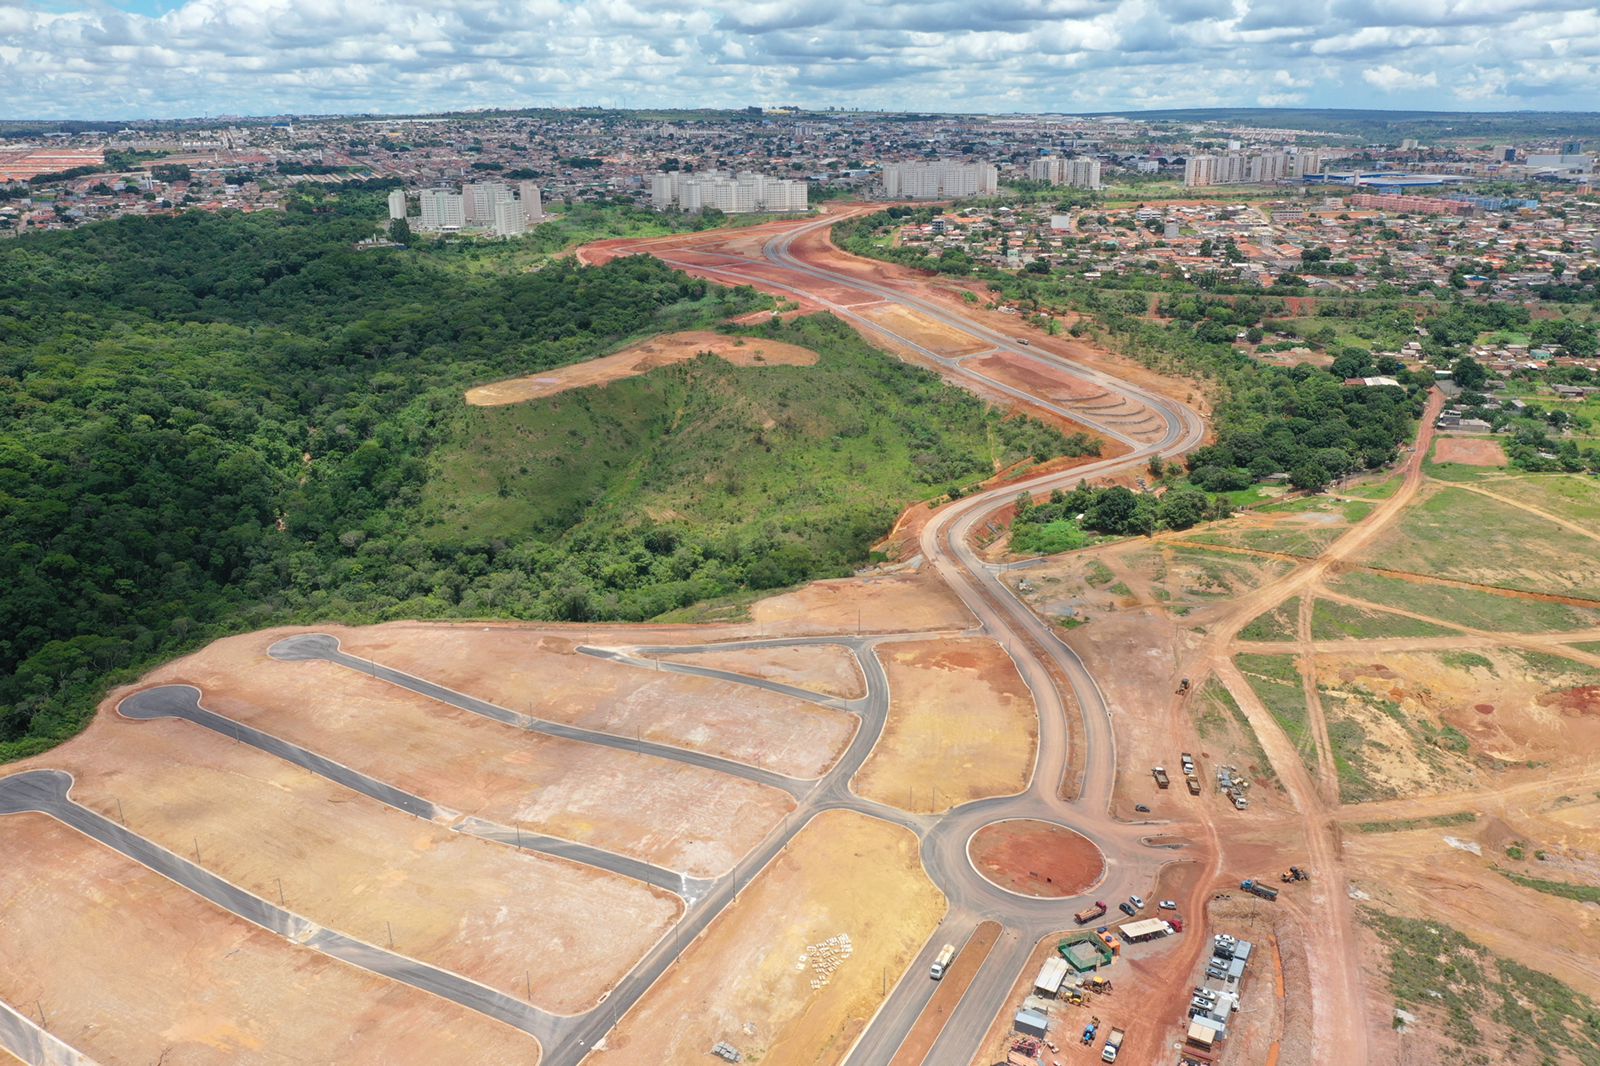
[{"x": 1113, "y": 1045}]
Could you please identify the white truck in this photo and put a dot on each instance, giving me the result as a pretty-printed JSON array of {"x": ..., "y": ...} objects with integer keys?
[
  {"x": 947, "y": 955},
  {"x": 1113, "y": 1045}
]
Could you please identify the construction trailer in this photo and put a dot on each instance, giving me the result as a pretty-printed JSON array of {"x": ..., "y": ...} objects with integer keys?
[{"x": 1031, "y": 1023}]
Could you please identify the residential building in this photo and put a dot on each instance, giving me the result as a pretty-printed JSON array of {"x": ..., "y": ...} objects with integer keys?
[
  {"x": 1078, "y": 173},
  {"x": 937, "y": 181},
  {"x": 443, "y": 211},
  {"x": 480, "y": 200},
  {"x": 510, "y": 219},
  {"x": 532, "y": 203},
  {"x": 731, "y": 194},
  {"x": 397, "y": 204}
]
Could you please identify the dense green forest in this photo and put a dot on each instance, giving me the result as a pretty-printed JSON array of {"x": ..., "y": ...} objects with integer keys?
[{"x": 213, "y": 423}]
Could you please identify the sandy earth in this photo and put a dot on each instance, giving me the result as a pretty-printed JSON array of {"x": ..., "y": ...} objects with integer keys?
[
  {"x": 829, "y": 669},
  {"x": 743, "y": 981},
  {"x": 1035, "y": 858},
  {"x": 679, "y": 816},
  {"x": 131, "y": 968},
  {"x": 539, "y": 673},
  {"x": 911, "y": 602},
  {"x": 1469, "y": 451},
  {"x": 482, "y": 910},
  {"x": 925, "y": 331},
  {"x": 641, "y": 358},
  {"x": 961, "y": 726}
]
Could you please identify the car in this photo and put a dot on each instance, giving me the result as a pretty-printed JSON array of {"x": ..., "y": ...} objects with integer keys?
[
  {"x": 1137, "y": 901},
  {"x": 1169, "y": 904},
  {"x": 1127, "y": 908},
  {"x": 1141, "y": 808},
  {"x": 1022, "y": 340}
]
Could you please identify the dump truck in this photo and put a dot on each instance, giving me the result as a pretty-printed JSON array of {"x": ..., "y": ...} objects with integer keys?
[
  {"x": 1258, "y": 889},
  {"x": 947, "y": 955},
  {"x": 1162, "y": 781},
  {"x": 1113, "y": 1045},
  {"x": 1089, "y": 914},
  {"x": 1194, "y": 785}
]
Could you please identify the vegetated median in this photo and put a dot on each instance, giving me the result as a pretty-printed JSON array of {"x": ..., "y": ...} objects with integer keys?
[{"x": 220, "y": 423}]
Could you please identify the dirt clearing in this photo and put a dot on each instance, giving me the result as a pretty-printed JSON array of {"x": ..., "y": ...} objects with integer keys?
[
  {"x": 1035, "y": 858},
  {"x": 791, "y": 972},
  {"x": 356, "y": 866},
  {"x": 962, "y": 726},
  {"x": 829, "y": 669},
  {"x": 1469, "y": 451},
  {"x": 642, "y": 358},
  {"x": 920, "y": 329},
  {"x": 883, "y": 603},
  {"x": 682, "y": 817},
  {"x": 131, "y": 968}
]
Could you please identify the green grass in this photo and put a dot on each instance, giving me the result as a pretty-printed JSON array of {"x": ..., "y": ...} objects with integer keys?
[
  {"x": 1467, "y": 607},
  {"x": 1434, "y": 970},
  {"x": 1098, "y": 574},
  {"x": 1348, "y": 745},
  {"x": 1307, "y": 542},
  {"x": 1467, "y": 660},
  {"x": 802, "y": 467},
  {"x": 1332, "y": 620},
  {"x": 1052, "y": 538},
  {"x": 1576, "y": 499},
  {"x": 1222, "y": 575},
  {"x": 1564, "y": 889},
  {"x": 1459, "y": 534},
  {"x": 1379, "y": 490},
  {"x": 1276, "y": 681},
  {"x": 1280, "y": 623},
  {"x": 1404, "y": 825}
]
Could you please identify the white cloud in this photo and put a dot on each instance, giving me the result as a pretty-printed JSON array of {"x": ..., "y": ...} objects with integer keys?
[
  {"x": 85, "y": 58},
  {"x": 1392, "y": 79}
]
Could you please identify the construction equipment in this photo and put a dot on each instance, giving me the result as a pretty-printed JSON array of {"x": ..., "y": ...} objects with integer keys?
[
  {"x": 1098, "y": 985},
  {"x": 1183, "y": 686},
  {"x": 1090, "y": 1029},
  {"x": 947, "y": 955},
  {"x": 1258, "y": 889},
  {"x": 1294, "y": 873},
  {"x": 1113, "y": 1045},
  {"x": 1160, "y": 773},
  {"x": 1194, "y": 785},
  {"x": 1089, "y": 914}
]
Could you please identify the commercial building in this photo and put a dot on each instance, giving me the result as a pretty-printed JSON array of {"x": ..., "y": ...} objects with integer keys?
[
  {"x": 939, "y": 181},
  {"x": 1078, "y": 173},
  {"x": 1414, "y": 205},
  {"x": 732, "y": 194}
]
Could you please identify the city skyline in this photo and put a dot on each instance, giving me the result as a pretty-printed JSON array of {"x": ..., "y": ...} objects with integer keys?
[{"x": 142, "y": 59}]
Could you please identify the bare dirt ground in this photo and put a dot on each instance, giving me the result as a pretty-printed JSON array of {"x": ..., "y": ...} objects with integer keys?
[
  {"x": 913, "y": 602},
  {"x": 1470, "y": 451},
  {"x": 925, "y": 331},
  {"x": 639, "y": 359},
  {"x": 1036, "y": 858},
  {"x": 353, "y": 865},
  {"x": 131, "y": 968},
  {"x": 957, "y": 979},
  {"x": 1035, "y": 379},
  {"x": 665, "y": 812},
  {"x": 540, "y": 673},
  {"x": 962, "y": 726},
  {"x": 745, "y": 982},
  {"x": 830, "y": 669}
]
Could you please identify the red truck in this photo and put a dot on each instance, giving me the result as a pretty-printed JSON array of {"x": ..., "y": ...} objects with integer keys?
[{"x": 1089, "y": 914}]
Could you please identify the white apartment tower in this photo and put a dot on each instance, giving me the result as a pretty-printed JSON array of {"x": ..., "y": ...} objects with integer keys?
[
  {"x": 1078, "y": 173},
  {"x": 442, "y": 210},
  {"x": 939, "y": 181},
  {"x": 509, "y": 219},
  {"x": 532, "y": 204},
  {"x": 397, "y": 204},
  {"x": 731, "y": 194},
  {"x": 1235, "y": 168},
  {"x": 481, "y": 198}
]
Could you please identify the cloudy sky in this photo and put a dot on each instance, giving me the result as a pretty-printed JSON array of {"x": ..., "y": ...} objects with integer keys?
[{"x": 168, "y": 58}]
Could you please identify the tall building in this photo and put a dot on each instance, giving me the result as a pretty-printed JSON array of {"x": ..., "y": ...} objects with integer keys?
[
  {"x": 532, "y": 204},
  {"x": 397, "y": 204},
  {"x": 731, "y": 194},
  {"x": 939, "y": 181},
  {"x": 1078, "y": 173},
  {"x": 509, "y": 219},
  {"x": 481, "y": 198},
  {"x": 442, "y": 210},
  {"x": 1238, "y": 168}
]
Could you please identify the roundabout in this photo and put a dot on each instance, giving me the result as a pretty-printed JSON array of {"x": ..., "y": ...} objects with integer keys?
[{"x": 1036, "y": 859}]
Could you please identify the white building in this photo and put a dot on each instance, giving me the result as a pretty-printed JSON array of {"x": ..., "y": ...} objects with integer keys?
[
  {"x": 509, "y": 219},
  {"x": 732, "y": 194},
  {"x": 481, "y": 198},
  {"x": 1078, "y": 173},
  {"x": 443, "y": 211},
  {"x": 1244, "y": 168},
  {"x": 939, "y": 181},
  {"x": 397, "y": 204},
  {"x": 532, "y": 204}
]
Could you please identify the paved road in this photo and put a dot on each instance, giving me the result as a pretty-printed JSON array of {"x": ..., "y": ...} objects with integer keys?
[{"x": 24, "y": 1038}]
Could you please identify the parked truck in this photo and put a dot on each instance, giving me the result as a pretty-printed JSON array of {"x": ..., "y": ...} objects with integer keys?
[
  {"x": 947, "y": 955},
  {"x": 1258, "y": 889},
  {"x": 1089, "y": 914},
  {"x": 1113, "y": 1045},
  {"x": 1194, "y": 785},
  {"x": 1162, "y": 781}
]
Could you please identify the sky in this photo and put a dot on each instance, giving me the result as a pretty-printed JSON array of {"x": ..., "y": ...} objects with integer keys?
[{"x": 108, "y": 59}]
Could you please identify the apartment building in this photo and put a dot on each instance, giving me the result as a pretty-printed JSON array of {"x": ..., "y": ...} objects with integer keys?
[
  {"x": 443, "y": 211},
  {"x": 1078, "y": 173},
  {"x": 1251, "y": 168},
  {"x": 732, "y": 194},
  {"x": 938, "y": 181}
]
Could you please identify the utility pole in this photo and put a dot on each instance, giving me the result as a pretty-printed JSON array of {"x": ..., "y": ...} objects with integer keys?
[
  {"x": 120, "y": 818},
  {"x": 281, "y": 903},
  {"x": 197, "y": 851},
  {"x": 44, "y": 1023},
  {"x": 390, "y": 927},
  {"x": 527, "y": 980}
]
